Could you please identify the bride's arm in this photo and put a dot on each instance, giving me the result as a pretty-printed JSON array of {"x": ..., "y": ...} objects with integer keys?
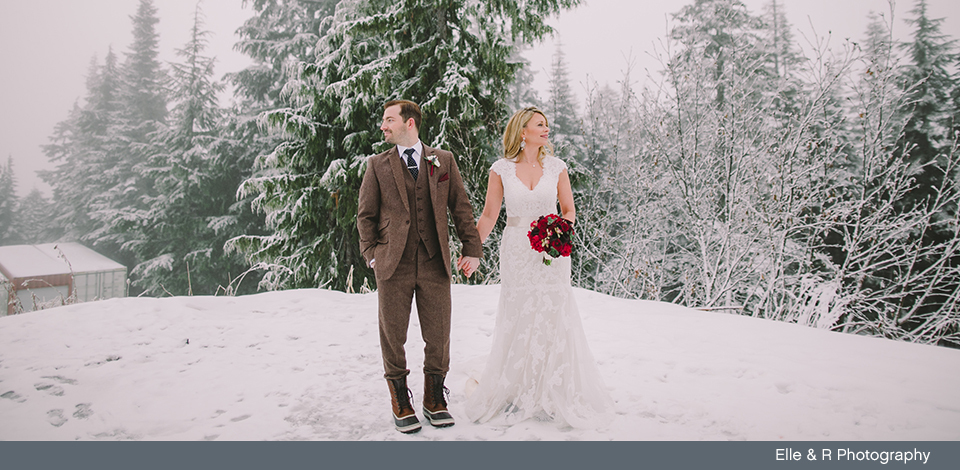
[
  {"x": 565, "y": 195},
  {"x": 491, "y": 207}
]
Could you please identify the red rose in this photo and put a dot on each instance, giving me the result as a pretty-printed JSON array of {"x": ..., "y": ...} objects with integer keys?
[{"x": 551, "y": 234}]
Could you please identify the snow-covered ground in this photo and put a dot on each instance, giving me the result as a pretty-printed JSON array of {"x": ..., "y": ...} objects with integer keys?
[{"x": 305, "y": 364}]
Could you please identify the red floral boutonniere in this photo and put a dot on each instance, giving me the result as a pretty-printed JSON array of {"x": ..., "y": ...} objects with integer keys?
[
  {"x": 434, "y": 163},
  {"x": 551, "y": 235}
]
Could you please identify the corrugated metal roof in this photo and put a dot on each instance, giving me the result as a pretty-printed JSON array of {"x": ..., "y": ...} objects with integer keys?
[{"x": 20, "y": 261}]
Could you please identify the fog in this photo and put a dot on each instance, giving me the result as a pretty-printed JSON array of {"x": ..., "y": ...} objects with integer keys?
[{"x": 48, "y": 46}]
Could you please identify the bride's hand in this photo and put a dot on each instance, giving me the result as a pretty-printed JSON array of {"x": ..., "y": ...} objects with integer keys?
[{"x": 468, "y": 265}]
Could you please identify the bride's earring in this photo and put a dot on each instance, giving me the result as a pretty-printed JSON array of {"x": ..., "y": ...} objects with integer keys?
[{"x": 523, "y": 143}]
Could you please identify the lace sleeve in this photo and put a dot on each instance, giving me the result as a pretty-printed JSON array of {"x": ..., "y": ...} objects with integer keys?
[
  {"x": 500, "y": 167},
  {"x": 555, "y": 164}
]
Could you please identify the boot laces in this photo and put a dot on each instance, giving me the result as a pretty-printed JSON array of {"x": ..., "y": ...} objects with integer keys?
[
  {"x": 407, "y": 401},
  {"x": 404, "y": 400},
  {"x": 440, "y": 394}
]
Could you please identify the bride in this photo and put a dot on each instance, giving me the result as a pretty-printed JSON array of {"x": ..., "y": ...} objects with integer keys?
[{"x": 540, "y": 366}]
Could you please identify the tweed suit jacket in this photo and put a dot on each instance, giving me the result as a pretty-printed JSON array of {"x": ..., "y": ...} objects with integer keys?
[{"x": 383, "y": 218}]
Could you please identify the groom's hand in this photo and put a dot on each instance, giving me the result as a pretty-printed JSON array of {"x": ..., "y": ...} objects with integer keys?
[{"x": 468, "y": 264}]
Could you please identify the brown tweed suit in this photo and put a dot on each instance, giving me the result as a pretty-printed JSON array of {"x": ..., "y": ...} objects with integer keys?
[{"x": 403, "y": 225}]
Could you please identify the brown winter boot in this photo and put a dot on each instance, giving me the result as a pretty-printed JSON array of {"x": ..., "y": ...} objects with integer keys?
[
  {"x": 403, "y": 416},
  {"x": 434, "y": 403}
]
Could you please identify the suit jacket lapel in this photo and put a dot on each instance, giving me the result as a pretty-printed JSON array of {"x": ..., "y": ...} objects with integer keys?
[{"x": 399, "y": 173}]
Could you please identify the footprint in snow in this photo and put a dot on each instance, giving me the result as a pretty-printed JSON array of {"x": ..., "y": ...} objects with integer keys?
[
  {"x": 11, "y": 395},
  {"x": 83, "y": 411},
  {"x": 60, "y": 379},
  {"x": 784, "y": 387},
  {"x": 51, "y": 389},
  {"x": 110, "y": 358},
  {"x": 55, "y": 418}
]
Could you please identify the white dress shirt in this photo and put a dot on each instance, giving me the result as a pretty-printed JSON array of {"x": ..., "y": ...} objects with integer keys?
[{"x": 417, "y": 152}]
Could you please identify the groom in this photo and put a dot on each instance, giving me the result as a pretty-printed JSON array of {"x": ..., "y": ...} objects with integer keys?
[{"x": 402, "y": 220}]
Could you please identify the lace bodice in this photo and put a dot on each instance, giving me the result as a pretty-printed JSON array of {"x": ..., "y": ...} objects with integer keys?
[{"x": 521, "y": 201}]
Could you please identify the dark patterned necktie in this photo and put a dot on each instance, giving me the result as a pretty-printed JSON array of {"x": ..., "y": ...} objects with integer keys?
[{"x": 411, "y": 163}]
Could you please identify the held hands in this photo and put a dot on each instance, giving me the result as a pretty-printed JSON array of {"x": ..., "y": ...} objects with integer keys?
[{"x": 468, "y": 265}]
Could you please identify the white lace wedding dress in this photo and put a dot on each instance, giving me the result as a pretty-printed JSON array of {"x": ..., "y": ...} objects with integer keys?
[{"x": 540, "y": 366}]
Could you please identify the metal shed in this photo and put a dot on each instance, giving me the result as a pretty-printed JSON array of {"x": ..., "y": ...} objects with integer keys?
[{"x": 39, "y": 276}]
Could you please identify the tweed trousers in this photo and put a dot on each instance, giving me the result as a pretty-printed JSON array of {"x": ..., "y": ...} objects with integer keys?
[{"x": 424, "y": 278}]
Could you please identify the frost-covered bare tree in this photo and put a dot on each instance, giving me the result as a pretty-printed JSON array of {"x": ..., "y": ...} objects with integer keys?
[
  {"x": 710, "y": 136},
  {"x": 780, "y": 191},
  {"x": 881, "y": 269},
  {"x": 602, "y": 168}
]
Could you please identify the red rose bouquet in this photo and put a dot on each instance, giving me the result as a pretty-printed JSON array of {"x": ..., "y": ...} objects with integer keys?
[{"x": 551, "y": 235}]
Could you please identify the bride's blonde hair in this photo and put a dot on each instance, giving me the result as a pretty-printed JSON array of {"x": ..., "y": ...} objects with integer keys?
[{"x": 512, "y": 139}]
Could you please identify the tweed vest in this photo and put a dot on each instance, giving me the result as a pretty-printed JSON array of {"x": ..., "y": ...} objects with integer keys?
[{"x": 423, "y": 225}]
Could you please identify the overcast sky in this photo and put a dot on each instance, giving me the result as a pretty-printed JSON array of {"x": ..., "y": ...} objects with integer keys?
[{"x": 47, "y": 46}]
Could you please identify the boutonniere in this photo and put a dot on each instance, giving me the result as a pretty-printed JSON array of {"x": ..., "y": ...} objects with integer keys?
[{"x": 434, "y": 163}]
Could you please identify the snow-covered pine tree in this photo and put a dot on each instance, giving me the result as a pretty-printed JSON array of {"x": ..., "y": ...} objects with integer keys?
[
  {"x": 782, "y": 58},
  {"x": 32, "y": 222},
  {"x": 561, "y": 108},
  {"x": 778, "y": 37},
  {"x": 178, "y": 240},
  {"x": 451, "y": 56},
  {"x": 142, "y": 111},
  {"x": 82, "y": 148},
  {"x": 927, "y": 77},
  {"x": 142, "y": 90},
  {"x": 59, "y": 150},
  {"x": 521, "y": 92},
  {"x": 929, "y": 113},
  {"x": 279, "y": 33},
  {"x": 8, "y": 204},
  {"x": 927, "y": 140}
]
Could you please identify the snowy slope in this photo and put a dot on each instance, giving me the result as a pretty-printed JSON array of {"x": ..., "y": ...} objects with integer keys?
[{"x": 305, "y": 364}]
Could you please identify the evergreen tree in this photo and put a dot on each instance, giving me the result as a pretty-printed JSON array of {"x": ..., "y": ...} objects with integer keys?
[
  {"x": 723, "y": 34},
  {"x": 521, "y": 92},
  {"x": 60, "y": 149},
  {"x": 172, "y": 237},
  {"x": 451, "y": 56},
  {"x": 82, "y": 147},
  {"x": 33, "y": 223},
  {"x": 928, "y": 82},
  {"x": 142, "y": 110},
  {"x": 280, "y": 34},
  {"x": 564, "y": 123},
  {"x": 778, "y": 37},
  {"x": 143, "y": 91},
  {"x": 878, "y": 43},
  {"x": 925, "y": 144},
  {"x": 8, "y": 204}
]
